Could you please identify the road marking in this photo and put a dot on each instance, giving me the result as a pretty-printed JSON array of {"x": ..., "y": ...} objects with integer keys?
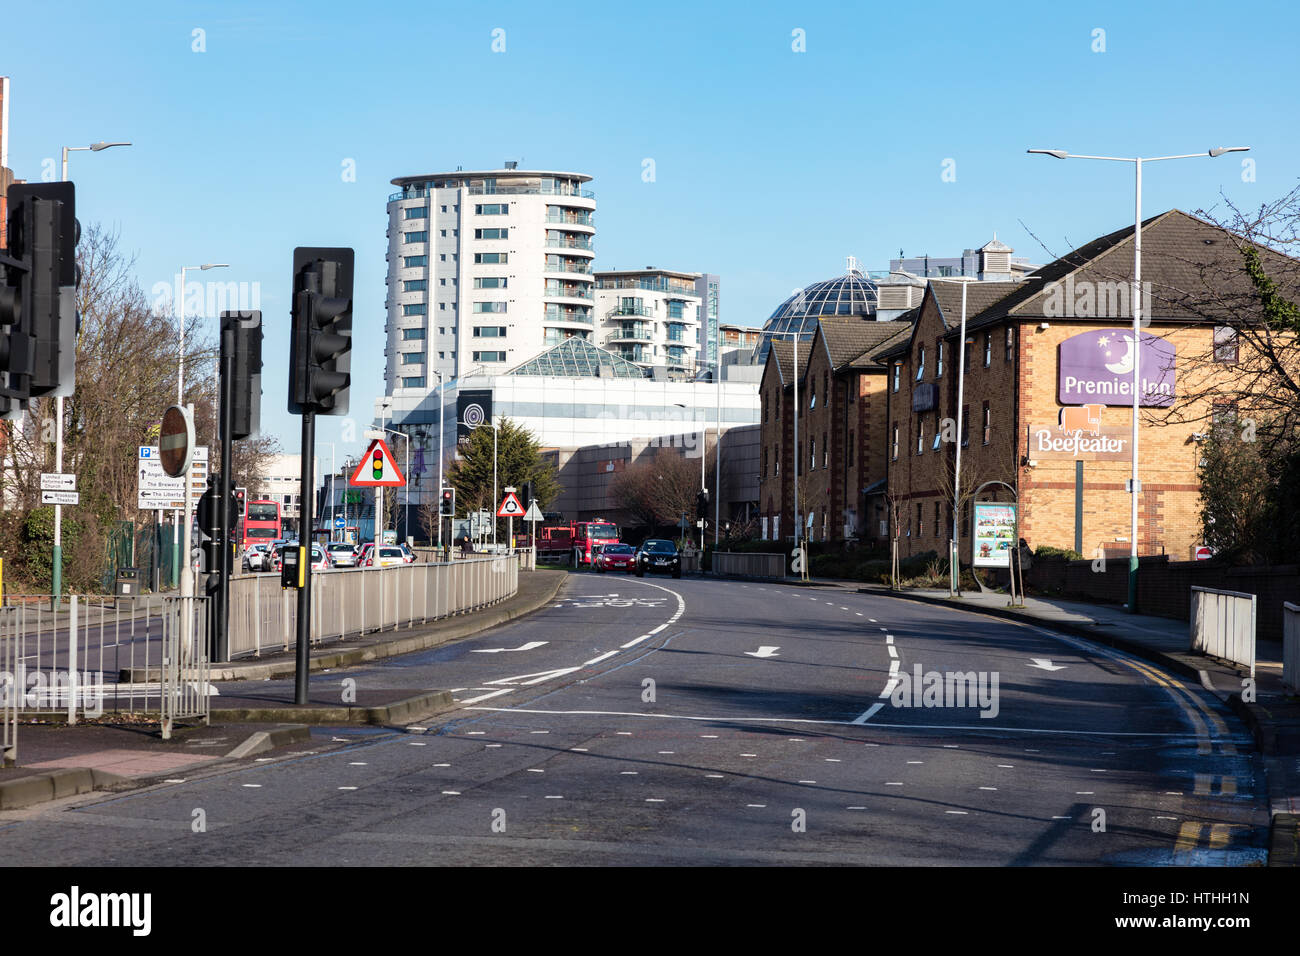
[
  {"x": 1166, "y": 818},
  {"x": 893, "y": 651},
  {"x": 475, "y": 733},
  {"x": 858, "y": 613},
  {"x": 667, "y": 753},
  {"x": 833, "y": 760},
  {"x": 889, "y": 638},
  {"x": 894, "y": 783},
  {"x": 960, "y": 813},
  {"x": 807, "y": 781},
  {"x": 988, "y": 788},
  {"x": 253, "y": 786},
  {"x": 764, "y": 651},
  {"x": 715, "y": 776},
  {"x": 357, "y": 763},
  {"x": 757, "y": 806},
  {"x": 442, "y": 765},
  {"x": 555, "y": 796},
  {"x": 916, "y": 761},
  {"x": 1189, "y": 835},
  {"x": 709, "y": 736},
  {"x": 872, "y": 620},
  {"x": 749, "y": 755},
  {"x": 539, "y": 731},
  {"x": 451, "y": 793},
  {"x": 495, "y": 693},
  {"x": 893, "y": 670},
  {"x": 529, "y": 679},
  {"x": 643, "y": 637},
  {"x": 1007, "y": 766},
  {"x": 627, "y": 773},
  {"x": 347, "y": 788},
  {"x": 654, "y": 800},
  {"x": 656, "y": 630},
  {"x": 416, "y": 743},
  {"x": 579, "y": 750},
  {"x": 182, "y": 779},
  {"x": 623, "y": 733},
  {"x": 855, "y": 808},
  {"x": 951, "y": 746},
  {"x": 536, "y": 770},
  {"x": 1084, "y": 793},
  {"x": 491, "y": 745},
  {"x": 1044, "y": 663},
  {"x": 510, "y": 650}
]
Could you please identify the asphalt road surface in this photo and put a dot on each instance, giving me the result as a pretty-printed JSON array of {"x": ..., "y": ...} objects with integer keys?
[{"x": 660, "y": 721}]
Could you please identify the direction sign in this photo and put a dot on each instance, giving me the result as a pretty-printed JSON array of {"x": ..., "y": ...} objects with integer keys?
[
  {"x": 176, "y": 441},
  {"x": 338, "y": 522},
  {"x": 377, "y": 468},
  {"x": 156, "y": 490},
  {"x": 60, "y": 498},
  {"x": 510, "y": 507},
  {"x": 58, "y": 481}
]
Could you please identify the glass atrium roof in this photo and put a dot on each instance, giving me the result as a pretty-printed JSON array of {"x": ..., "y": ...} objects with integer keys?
[
  {"x": 577, "y": 358},
  {"x": 850, "y": 294}
]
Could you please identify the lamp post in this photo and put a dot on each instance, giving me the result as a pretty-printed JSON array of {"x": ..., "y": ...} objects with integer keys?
[
  {"x": 57, "y": 569},
  {"x": 442, "y": 413},
  {"x": 330, "y": 492},
  {"x": 1134, "y": 484}
]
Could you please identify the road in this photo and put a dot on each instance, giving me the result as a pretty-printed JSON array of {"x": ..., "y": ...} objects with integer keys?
[{"x": 660, "y": 721}]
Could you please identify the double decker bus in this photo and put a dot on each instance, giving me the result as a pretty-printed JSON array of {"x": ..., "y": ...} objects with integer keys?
[{"x": 261, "y": 522}]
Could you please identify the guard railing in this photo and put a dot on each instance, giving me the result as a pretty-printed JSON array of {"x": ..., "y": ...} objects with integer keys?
[{"x": 1222, "y": 624}]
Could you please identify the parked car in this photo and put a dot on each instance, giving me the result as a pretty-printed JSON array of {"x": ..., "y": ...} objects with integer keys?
[
  {"x": 407, "y": 554},
  {"x": 385, "y": 556},
  {"x": 255, "y": 557},
  {"x": 320, "y": 558},
  {"x": 615, "y": 557},
  {"x": 364, "y": 553},
  {"x": 658, "y": 556},
  {"x": 343, "y": 555}
]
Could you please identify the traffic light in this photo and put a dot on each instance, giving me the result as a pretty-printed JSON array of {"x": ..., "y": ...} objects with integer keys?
[
  {"x": 702, "y": 505},
  {"x": 241, "y": 505},
  {"x": 320, "y": 346},
  {"x": 447, "y": 504},
  {"x": 210, "y": 527},
  {"x": 527, "y": 493},
  {"x": 38, "y": 298},
  {"x": 245, "y": 328}
]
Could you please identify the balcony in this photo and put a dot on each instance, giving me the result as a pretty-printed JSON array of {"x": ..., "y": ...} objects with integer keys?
[
  {"x": 568, "y": 292},
  {"x": 582, "y": 268},
  {"x": 569, "y": 244},
  {"x": 570, "y": 220},
  {"x": 633, "y": 310},
  {"x": 530, "y": 191},
  {"x": 632, "y": 333},
  {"x": 567, "y": 318},
  {"x": 635, "y": 353}
]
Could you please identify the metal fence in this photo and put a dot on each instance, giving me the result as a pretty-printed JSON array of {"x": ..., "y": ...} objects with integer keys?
[
  {"x": 183, "y": 685},
  {"x": 349, "y": 603},
  {"x": 1291, "y": 646},
  {"x": 9, "y": 696},
  {"x": 1223, "y": 625},
  {"x": 749, "y": 565}
]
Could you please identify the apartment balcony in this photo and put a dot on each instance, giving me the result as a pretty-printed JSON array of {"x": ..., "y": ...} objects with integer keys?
[
  {"x": 502, "y": 190},
  {"x": 640, "y": 355},
  {"x": 633, "y": 310},
  {"x": 580, "y": 268},
  {"x": 569, "y": 292},
  {"x": 567, "y": 318},
  {"x": 632, "y": 333},
  {"x": 583, "y": 244},
  {"x": 579, "y": 222}
]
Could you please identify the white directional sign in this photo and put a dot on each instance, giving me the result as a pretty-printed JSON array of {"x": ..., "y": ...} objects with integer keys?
[
  {"x": 60, "y": 498},
  {"x": 534, "y": 512},
  {"x": 158, "y": 490},
  {"x": 58, "y": 482}
]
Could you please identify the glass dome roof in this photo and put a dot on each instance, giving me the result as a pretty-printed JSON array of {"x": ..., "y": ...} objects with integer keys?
[{"x": 849, "y": 294}]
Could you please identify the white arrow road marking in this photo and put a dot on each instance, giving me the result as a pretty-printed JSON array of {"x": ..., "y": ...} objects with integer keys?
[
  {"x": 1045, "y": 664},
  {"x": 497, "y": 650},
  {"x": 527, "y": 679},
  {"x": 765, "y": 651},
  {"x": 495, "y": 693}
]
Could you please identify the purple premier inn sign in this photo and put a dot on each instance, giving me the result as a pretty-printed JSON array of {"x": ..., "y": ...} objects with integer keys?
[{"x": 1098, "y": 367}]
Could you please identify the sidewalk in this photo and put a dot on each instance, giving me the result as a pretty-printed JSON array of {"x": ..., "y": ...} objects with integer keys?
[
  {"x": 121, "y": 750},
  {"x": 1273, "y": 718}
]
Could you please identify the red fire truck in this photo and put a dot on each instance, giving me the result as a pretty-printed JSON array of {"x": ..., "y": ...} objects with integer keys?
[{"x": 588, "y": 534}]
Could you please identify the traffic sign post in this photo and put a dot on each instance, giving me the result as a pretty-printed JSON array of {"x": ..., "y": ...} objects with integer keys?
[{"x": 378, "y": 470}]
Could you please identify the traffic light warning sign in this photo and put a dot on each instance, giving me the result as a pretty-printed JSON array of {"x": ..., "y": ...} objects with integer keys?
[{"x": 377, "y": 469}]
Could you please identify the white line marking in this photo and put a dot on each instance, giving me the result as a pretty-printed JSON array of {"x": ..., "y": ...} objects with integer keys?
[
  {"x": 627, "y": 773},
  {"x": 893, "y": 669},
  {"x": 495, "y": 693},
  {"x": 1060, "y": 818},
  {"x": 417, "y": 743},
  {"x": 855, "y": 808},
  {"x": 871, "y": 712},
  {"x": 555, "y": 797},
  {"x": 757, "y": 806},
  {"x": 893, "y": 651},
  {"x": 666, "y": 752},
  {"x": 539, "y": 731},
  {"x": 498, "y": 650},
  {"x": 749, "y": 755},
  {"x": 715, "y": 776},
  {"x": 709, "y": 736},
  {"x": 950, "y": 746},
  {"x": 253, "y": 786},
  {"x": 1084, "y": 793},
  {"x": 916, "y": 761},
  {"x": 872, "y": 620},
  {"x": 988, "y": 788},
  {"x": 182, "y": 779},
  {"x": 491, "y": 745},
  {"x": 357, "y": 763},
  {"x": 858, "y": 613},
  {"x": 579, "y": 750},
  {"x": 623, "y": 733},
  {"x": 442, "y": 765},
  {"x": 475, "y": 733},
  {"x": 894, "y": 783},
  {"x": 597, "y": 660},
  {"x": 656, "y": 630},
  {"x": 347, "y": 788},
  {"x": 833, "y": 760},
  {"x": 536, "y": 770},
  {"x": 452, "y": 793},
  {"x": 1007, "y": 766},
  {"x": 807, "y": 781},
  {"x": 643, "y": 637},
  {"x": 654, "y": 800},
  {"x": 960, "y": 813}
]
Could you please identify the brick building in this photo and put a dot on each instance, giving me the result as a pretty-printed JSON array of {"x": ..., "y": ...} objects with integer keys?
[
  {"x": 842, "y": 415},
  {"x": 1047, "y": 404}
]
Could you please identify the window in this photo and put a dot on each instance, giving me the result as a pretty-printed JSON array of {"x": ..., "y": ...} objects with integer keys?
[
  {"x": 492, "y": 209},
  {"x": 920, "y": 522},
  {"x": 443, "y": 233},
  {"x": 988, "y": 349},
  {"x": 417, "y": 308},
  {"x": 489, "y": 282},
  {"x": 776, "y": 457},
  {"x": 489, "y": 356},
  {"x": 987, "y": 423},
  {"x": 1223, "y": 418},
  {"x": 414, "y": 381},
  {"x": 965, "y": 352},
  {"x": 415, "y": 285},
  {"x": 1011, "y": 341},
  {"x": 442, "y": 306},
  {"x": 812, "y": 398},
  {"x": 812, "y": 454},
  {"x": 416, "y": 212},
  {"x": 898, "y": 375},
  {"x": 490, "y": 258},
  {"x": 489, "y": 307},
  {"x": 444, "y": 208},
  {"x": 442, "y": 257},
  {"x": 414, "y": 262},
  {"x": 893, "y": 449},
  {"x": 412, "y": 358},
  {"x": 920, "y": 364},
  {"x": 1225, "y": 344},
  {"x": 920, "y": 436},
  {"x": 764, "y": 472},
  {"x": 826, "y": 451},
  {"x": 499, "y": 233},
  {"x": 938, "y": 359},
  {"x": 422, "y": 236},
  {"x": 489, "y": 331},
  {"x": 938, "y": 432},
  {"x": 965, "y": 425},
  {"x": 937, "y": 530},
  {"x": 411, "y": 335}
]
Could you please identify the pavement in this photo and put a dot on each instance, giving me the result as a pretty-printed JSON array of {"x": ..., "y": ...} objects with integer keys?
[
  {"x": 1273, "y": 717},
  {"x": 252, "y": 712}
]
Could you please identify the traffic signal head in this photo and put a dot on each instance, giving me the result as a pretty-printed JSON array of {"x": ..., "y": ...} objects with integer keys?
[
  {"x": 527, "y": 493},
  {"x": 702, "y": 505},
  {"x": 447, "y": 504},
  {"x": 321, "y": 341},
  {"x": 241, "y": 338},
  {"x": 241, "y": 504}
]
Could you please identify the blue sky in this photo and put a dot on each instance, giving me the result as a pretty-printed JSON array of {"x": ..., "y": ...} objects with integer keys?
[{"x": 770, "y": 165}]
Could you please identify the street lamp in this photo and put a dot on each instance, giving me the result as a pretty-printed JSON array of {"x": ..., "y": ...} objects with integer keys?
[
  {"x": 57, "y": 571},
  {"x": 1134, "y": 484}
]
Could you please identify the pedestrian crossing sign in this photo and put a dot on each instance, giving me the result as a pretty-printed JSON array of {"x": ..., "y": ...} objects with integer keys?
[{"x": 377, "y": 469}]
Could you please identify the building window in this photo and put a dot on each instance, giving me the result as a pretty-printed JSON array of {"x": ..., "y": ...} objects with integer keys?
[
  {"x": 898, "y": 375},
  {"x": 415, "y": 285},
  {"x": 965, "y": 354},
  {"x": 1011, "y": 341},
  {"x": 442, "y": 306},
  {"x": 812, "y": 454},
  {"x": 965, "y": 425},
  {"x": 764, "y": 463},
  {"x": 492, "y": 209},
  {"x": 412, "y": 358},
  {"x": 489, "y": 282},
  {"x": 414, "y": 262},
  {"x": 938, "y": 359},
  {"x": 502, "y": 233},
  {"x": 987, "y": 423},
  {"x": 938, "y": 432},
  {"x": 489, "y": 307},
  {"x": 489, "y": 331},
  {"x": 489, "y": 356},
  {"x": 936, "y": 520},
  {"x": 444, "y": 208},
  {"x": 442, "y": 257},
  {"x": 920, "y": 436},
  {"x": 416, "y": 308},
  {"x": 416, "y": 212},
  {"x": 410, "y": 335},
  {"x": 988, "y": 349},
  {"x": 414, "y": 381},
  {"x": 422, "y": 236},
  {"x": 443, "y": 233},
  {"x": 1223, "y": 419},
  {"x": 1225, "y": 344},
  {"x": 826, "y": 451},
  {"x": 920, "y": 522},
  {"x": 491, "y": 258},
  {"x": 812, "y": 393},
  {"x": 776, "y": 457},
  {"x": 893, "y": 448},
  {"x": 920, "y": 364}
]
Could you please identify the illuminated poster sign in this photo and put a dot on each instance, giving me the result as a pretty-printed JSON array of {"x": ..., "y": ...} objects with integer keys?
[
  {"x": 995, "y": 534},
  {"x": 1098, "y": 367}
]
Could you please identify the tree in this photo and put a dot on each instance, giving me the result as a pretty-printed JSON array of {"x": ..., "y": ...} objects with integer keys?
[
  {"x": 519, "y": 459},
  {"x": 658, "y": 490}
]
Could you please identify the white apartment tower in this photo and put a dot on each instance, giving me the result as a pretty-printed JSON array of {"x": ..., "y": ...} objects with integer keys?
[
  {"x": 485, "y": 270},
  {"x": 651, "y": 317}
]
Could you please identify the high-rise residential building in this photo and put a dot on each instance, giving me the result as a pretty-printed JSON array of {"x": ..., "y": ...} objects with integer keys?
[
  {"x": 706, "y": 287},
  {"x": 485, "y": 270},
  {"x": 651, "y": 317}
]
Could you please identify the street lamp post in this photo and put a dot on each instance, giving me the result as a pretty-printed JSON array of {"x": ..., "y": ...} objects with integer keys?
[
  {"x": 442, "y": 414},
  {"x": 1134, "y": 484},
  {"x": 57, "y": 570}
]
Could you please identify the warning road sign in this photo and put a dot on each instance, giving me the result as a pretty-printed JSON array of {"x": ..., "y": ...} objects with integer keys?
[
  {"x": 377, "y": 468},
  {"x": 510, "y": 507}
]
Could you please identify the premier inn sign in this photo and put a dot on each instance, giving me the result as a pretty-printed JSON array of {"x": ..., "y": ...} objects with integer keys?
[{"x": 1098, "y": 367}]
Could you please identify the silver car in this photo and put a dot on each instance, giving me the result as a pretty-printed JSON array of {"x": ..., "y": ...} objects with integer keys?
[{"x": 343, "y": 554}]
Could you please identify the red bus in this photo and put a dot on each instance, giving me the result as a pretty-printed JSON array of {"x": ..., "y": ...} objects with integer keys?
[{"x": 262, "y": 522}]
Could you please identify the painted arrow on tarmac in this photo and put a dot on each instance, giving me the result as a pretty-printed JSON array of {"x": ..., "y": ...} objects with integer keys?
[
  {"x": 1045, "y": 664},
  {"x": 765, "y": 652},
  {"x": 497, "y": 650},
  {"x": 535, "y": 678}
]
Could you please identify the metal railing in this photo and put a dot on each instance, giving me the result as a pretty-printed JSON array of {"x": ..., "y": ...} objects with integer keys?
[
  {"x": 569, "y": 244},
  {"x": 577, "y": 268},
  {"x": 749, "y": 565},
  {"x": 9, "y": 687},
  {"x": 1291, "y": 646},
  {"x": 183, "y": 679},
  {"x": 350, "y": 603},
  {"x": 1222, "y": 624}
]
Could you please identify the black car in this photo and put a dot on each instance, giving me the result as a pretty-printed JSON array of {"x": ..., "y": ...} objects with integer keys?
[{"x": 658, "y": 556}]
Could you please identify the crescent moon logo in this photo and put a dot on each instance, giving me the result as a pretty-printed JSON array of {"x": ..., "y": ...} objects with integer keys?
[{"x": 1125, "y": 364}]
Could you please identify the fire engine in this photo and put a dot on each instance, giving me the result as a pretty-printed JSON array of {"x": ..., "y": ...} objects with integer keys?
[{"x": 577, "y": 538}]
